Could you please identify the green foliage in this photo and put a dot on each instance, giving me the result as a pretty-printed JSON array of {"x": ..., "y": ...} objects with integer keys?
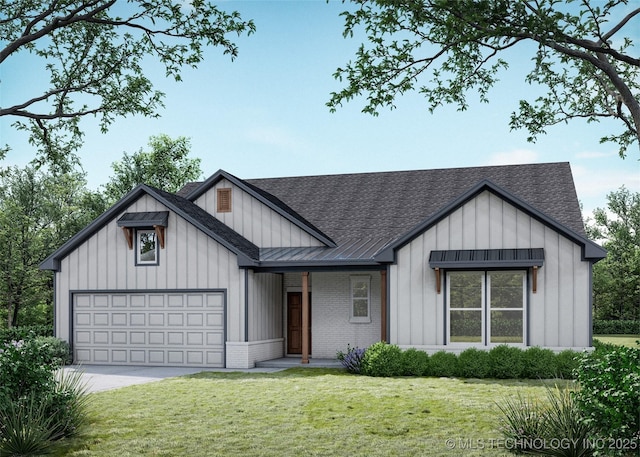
[
  {"x": 415, "y": 362},
  {"x": 53, "y": 351},
  {"x": 506, "y": 362},
  {"x": 93, "y": 53},
  {"x": 25, "y": 427},
  {"x": 609, "y": 393},
  {"x": 616, "y": 327},
  {"x": 166, "y": 166},
  {"x": 39, "y": 402},
  {"x": 25, "y": 332},
  {"x": 616, "y": 279},
  {"x": 474, "y": 363},
  {"x": 445, "y": 50},
  {"x": 443, "y": 364},
  {"x": 67, "y": 402},
  {"x": 567, "y": 363},
  {"x": 539, "y": 363},
  {"x": 382, "y": 359},
  {"x": 521, "y": 420},
  {"x": 554, "y": 427},
  {"x": 24, "y": 369},
  {"x": 39, "y": 211}
]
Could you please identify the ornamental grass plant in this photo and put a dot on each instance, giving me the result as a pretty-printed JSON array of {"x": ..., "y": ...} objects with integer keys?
[{"x": 39, "y": 402}]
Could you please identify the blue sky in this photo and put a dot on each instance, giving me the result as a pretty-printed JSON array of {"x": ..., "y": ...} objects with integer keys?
[{"x": 264, "y": 115}]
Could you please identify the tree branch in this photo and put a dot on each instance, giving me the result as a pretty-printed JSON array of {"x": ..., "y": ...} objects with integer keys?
[
  {"x": 56, "y": 23},
  {"x": 621, "y": 24}
]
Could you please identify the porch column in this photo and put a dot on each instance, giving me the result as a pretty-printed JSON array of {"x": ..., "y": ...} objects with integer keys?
[
  {"x": 305, "y": 317},
  {"x": 383, "y": 305}
]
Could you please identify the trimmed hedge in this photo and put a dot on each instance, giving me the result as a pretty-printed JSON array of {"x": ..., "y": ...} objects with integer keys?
[
  {"x": 24, "y": 333},
  {"x": 502, "y": 362},
  {"x": 602, "y": 327}
]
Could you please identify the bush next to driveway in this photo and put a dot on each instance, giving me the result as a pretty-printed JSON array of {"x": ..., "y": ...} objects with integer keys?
[{"x": 38, "y": 403}]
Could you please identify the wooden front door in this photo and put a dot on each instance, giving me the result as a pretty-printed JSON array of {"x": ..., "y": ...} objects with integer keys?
[{"x": 294, "y": 322}]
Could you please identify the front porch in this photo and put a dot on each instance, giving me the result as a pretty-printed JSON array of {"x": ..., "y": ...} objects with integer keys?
[{"x": 296, "y": 362}]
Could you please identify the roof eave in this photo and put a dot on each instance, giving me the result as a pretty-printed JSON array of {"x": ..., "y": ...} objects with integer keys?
[
  {"x": 53, "y": 261},
  {"x": 590, "y": 250},
  {"x": 312, "y": 264}
]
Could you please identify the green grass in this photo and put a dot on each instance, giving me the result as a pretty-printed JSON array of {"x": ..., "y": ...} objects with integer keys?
[
  {"x": 621, "y": 340},
  {"x": 315, "y": 412}
]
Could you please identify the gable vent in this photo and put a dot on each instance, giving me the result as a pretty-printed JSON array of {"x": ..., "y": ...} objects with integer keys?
[{"x": 224, "y": 200}]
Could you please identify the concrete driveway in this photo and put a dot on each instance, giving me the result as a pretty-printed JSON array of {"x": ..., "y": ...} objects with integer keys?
[{"x": 99, "y": 378}]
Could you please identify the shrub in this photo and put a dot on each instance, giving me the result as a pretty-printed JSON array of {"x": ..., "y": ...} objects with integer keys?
[
  {"x": 24, "y": 333},
  {"x": 38, "y": 401},
  {"x": 555, "y": 427},
  {"x": 23, "y": 369},
  {"x": 610, "y": 393},
  {"x": 415, "y": 362},
  {"x": 352, "y": 359},
  {"x": 506, "y": 362},
  {"x": 567, "y": 363},
  {"x": 382, "y": 359},
  {"x": 54, "y": 350},
  {"x": 539, "y": 363},
  {"x": 443, "y": 364},
  {"x": 473, "y": 363},
  {"x": 609, "y": 327}
]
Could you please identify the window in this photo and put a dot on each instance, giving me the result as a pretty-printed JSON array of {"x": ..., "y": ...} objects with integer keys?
[
  {"x": 360, "y": 299},
  {"x": 147, "y": 247},
  {"x": 486, "y": 307},
  {"x": 224, "y": 200}
]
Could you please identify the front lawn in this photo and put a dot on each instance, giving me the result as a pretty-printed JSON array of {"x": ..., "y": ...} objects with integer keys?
[
  {"x": 620, "y": 340},
  {"x": 316, "y": 412}
]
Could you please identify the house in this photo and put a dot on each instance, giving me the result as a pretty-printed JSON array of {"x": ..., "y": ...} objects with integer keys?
[{"x": 229, "y": 272}]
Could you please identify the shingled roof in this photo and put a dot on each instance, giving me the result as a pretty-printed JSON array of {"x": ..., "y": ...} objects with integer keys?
[{"x": 389, "y": 204}]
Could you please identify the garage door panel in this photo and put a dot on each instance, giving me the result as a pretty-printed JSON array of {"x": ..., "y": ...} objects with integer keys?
[{"x": 150, "y": 328}]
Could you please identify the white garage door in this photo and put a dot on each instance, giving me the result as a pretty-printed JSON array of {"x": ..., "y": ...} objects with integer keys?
[{"x": 177, "y": 328}]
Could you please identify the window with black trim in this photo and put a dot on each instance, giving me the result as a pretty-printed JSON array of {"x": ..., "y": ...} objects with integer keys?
[
  {"x": 486, "y": 307},
  {"x": 146, "y": 247}
]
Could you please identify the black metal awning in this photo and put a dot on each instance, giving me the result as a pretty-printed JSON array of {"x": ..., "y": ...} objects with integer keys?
[
  {"x": 144, "y": 219},
  {"x": 487, "y": 258}
]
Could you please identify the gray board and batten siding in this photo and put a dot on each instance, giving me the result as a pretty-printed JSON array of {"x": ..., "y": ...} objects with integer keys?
[
  {"x": 558, "y": 313},
  {"x": 190, "y": 261}
]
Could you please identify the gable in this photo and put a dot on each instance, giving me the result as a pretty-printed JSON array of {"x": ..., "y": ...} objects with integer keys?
[
  {"x": 145, "y": 199},
  {"x": 103, "y": 261},
  {"x": 253, "y": 213},
  {"x": 488, "y": 217}
]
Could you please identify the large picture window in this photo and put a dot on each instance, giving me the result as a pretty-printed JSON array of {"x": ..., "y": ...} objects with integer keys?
[
  {"x": 147, "y": 247},
  {"x": 486, "y": 307}
]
